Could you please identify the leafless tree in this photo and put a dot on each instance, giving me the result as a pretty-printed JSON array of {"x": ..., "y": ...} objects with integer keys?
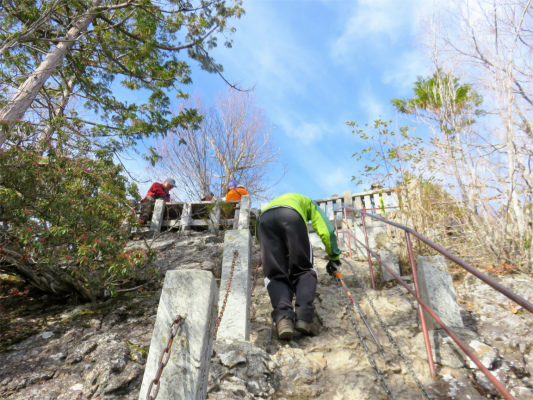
[
  {"x": 232, "y": 141},
  {"x": 489, "y": 44}
]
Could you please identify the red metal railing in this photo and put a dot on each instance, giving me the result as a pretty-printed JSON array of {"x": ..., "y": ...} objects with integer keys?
[{"x": 416, "y": 292}]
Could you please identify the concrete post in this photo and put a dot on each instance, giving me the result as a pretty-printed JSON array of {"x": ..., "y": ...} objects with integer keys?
[
  {"x": 185, "y": 220},
  {"x": 244, "y": 214},
  {"x": 192, "y": 294},
  {"x": 235, "y": 323},
  {"x": 214, "y": 219},
  {"x": 438, "y": 292},
  {"x": 348, "y": 200},
  {"x": 157, "y": 215},
  {"x": 236, "y": 218},
  {"x": 391, "y": 259},
  {"x": 331, "y": 215}
]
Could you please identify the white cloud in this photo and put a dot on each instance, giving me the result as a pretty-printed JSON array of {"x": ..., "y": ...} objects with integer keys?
[
  {"x": 305, "y": 132},
  {"x": 272, "y": 54},
  {"x": 373, "y": 107},
  {"x": 404, "y": 69},
  {"x": 335, "y": 180},
  {"x": 370, "y": 23}
]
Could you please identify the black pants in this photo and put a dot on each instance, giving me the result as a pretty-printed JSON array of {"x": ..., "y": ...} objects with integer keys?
[{"x": 287, "y": 264}]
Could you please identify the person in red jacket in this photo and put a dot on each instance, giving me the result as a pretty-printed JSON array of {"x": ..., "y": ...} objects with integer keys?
[{"x": 156, "y": 191}]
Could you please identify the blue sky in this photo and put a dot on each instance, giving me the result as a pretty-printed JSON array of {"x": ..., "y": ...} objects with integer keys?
[{"x": 315, "y": 65}]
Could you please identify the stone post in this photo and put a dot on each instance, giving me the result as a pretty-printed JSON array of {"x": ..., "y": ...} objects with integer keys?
[
  {"x": 157, "y": 215},
  {"x": 192, "y": 294},
  {"x": 438, "y": 292},
  {"x": 348, "y": 199},
  {"x": 244, "y": 214},
  {"x": 235, "y": 323},
  {"x": 391, "y": 259},
  {"x": 214, "y": 219},
  {"x": 185, "y": 220}
]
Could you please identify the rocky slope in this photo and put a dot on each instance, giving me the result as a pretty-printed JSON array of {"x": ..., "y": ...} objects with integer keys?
[{"x": 52, "y": 350}]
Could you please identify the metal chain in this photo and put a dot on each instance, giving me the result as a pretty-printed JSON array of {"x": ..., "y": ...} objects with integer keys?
[
  {"x": 173, "y": 330},
  {"x": 369, "y": 357},
  {"x": 389, "y": 336},
  {"x": 228, "y": 287}
]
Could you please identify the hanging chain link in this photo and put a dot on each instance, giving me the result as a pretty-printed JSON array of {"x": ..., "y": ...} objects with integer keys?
[
  {"x": 228, "y": 287},
  {"x": 173, "y": 330},
  {"x": 369, "y": 357},
  {"x": 389, "y": 336}
]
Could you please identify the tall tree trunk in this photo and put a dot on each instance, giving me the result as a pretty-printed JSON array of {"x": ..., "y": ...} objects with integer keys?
[
  {"x": 27, "y": 92},
  {"x": 52, "y": 279},
  {"x": 46, "y": 135}
]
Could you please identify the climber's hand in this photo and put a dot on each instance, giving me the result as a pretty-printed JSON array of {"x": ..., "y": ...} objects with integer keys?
[{"x": 333, "y": 266}]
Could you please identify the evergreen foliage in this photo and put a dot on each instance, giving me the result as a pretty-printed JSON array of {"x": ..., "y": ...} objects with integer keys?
[{"x": 63, "y": 202}]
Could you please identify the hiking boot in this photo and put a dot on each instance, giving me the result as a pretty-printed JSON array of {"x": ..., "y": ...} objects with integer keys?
[
  {"x": 307, "y": 328},
  {"x": 285, "y": 329}
]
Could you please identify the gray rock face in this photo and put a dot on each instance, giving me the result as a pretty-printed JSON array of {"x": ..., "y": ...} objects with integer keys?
[
  {"x": 99, "y": 351},
  {"x": 82, "y": 359},
  {"x": 447, "y": 353},
  {"x": 438, "y": 292},
  {"x": 240, "y": 367}
]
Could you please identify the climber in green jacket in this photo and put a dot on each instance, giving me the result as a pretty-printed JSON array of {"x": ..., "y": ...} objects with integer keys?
[{"x": 287, "y": 258}]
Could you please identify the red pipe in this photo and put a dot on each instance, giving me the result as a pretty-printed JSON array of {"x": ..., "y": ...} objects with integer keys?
[
  {"x": 348, "y": 230},
  {"x": 489, "y": 281},
  {"x": 427, "y": 343},
  {"x": 497, "y": 384},
  {"x": 368, "y": 253}
]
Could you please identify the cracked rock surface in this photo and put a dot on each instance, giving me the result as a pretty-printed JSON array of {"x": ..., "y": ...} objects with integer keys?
[{"x": 98, "y": 351}]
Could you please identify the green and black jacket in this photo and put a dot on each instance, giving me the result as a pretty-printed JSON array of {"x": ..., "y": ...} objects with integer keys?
[{"x": 310, "y": 211}]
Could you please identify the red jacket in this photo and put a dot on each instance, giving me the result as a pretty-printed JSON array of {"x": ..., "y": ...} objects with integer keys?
[{"x": 157, "y": 191}]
